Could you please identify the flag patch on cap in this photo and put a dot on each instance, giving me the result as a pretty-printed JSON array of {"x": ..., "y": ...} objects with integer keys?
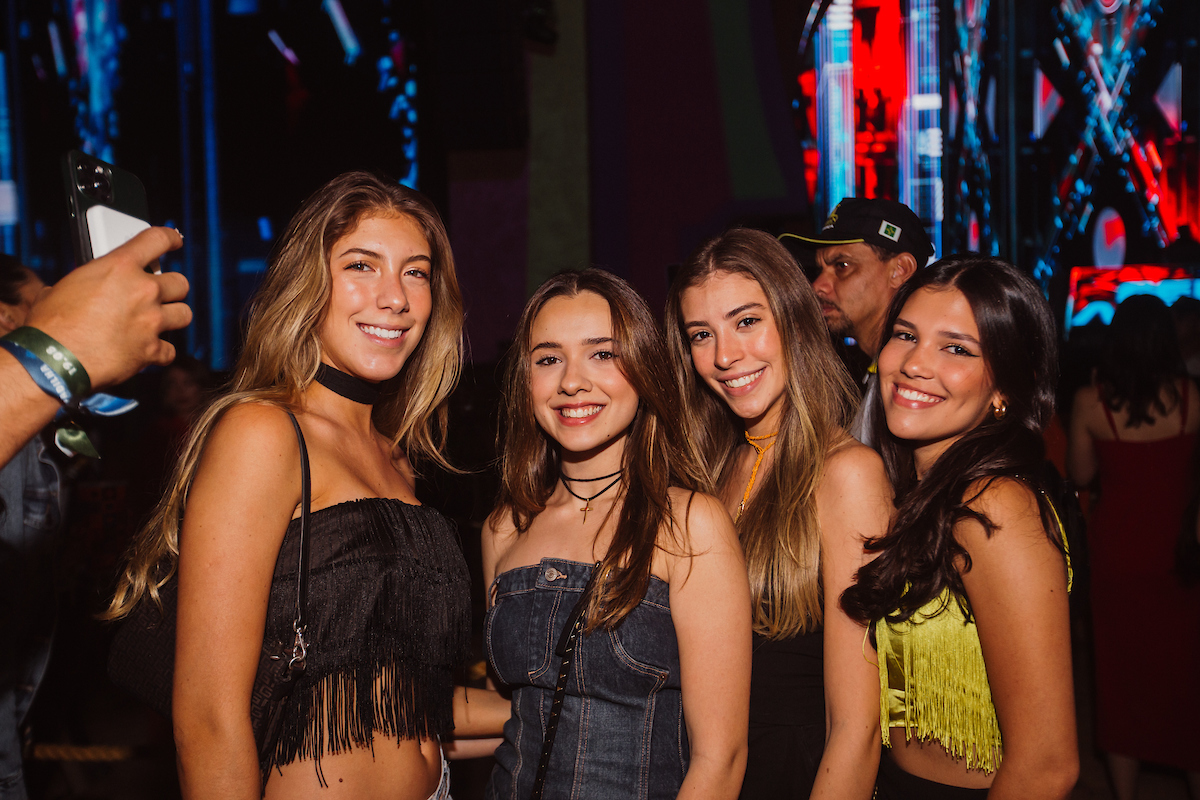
[{"x": 889, "y": 230}]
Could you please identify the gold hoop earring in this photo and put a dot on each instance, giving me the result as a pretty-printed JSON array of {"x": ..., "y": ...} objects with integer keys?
[{"x": 999, "y": 411}]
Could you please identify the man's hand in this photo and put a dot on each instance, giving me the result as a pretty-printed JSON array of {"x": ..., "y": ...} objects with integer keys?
[{"x": 110, "y": 312}]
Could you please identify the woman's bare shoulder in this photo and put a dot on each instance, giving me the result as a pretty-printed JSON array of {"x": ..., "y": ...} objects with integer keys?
[
  {"x": 250, "y": 417},
  {"x": 496, "y": 538},
  {"x": 263, "y": 429},
  {"x": 1009, "y": 503},
  {"x": 856, "y": 464},
  {"x": 499, "y": 526},
  {"x": 1088, "y": 395},
  {"x": 702, "y": 518},
  {"x": 686, "y": 503},
  {"x": 1002, "y": 494}
]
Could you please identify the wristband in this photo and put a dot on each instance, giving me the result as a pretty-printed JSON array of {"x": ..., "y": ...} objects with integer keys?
[
  {"x": 58, "y": 373},
  {"x": 52, "y": 366}
]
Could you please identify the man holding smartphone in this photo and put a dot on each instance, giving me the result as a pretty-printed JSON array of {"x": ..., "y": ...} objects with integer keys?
[{"x": 108, "y": 316}]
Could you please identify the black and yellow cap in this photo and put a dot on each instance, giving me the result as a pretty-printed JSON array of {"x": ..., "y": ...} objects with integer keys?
[{"x": 885, "y": 223}]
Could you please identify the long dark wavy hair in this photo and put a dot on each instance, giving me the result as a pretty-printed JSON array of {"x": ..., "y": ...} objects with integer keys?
[
  {"x": 919, "y": 557},
  {"x": 779, "y": 530},
  {"x": 657, "y": 454},
  {"x": 1141, "y": 364}
]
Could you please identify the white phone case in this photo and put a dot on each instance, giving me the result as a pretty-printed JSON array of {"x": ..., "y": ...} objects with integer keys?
[{"x": 108, "y": 229}]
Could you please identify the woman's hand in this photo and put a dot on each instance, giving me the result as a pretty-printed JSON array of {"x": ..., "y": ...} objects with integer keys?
[
  {"x": 245, "y": 492},
  {"x": 1017, "y": 587},
  {"x": 710, "y": 608},
  {"x": 854, "y": 502}
]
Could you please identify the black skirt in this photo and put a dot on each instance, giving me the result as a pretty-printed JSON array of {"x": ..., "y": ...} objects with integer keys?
[{"x": 894, "y": 783}]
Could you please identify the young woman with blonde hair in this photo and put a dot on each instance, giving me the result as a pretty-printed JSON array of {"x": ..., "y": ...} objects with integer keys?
[
  {"x": 356, "y": 335},
  {"x": 767, "y": 401},
  {"x": 601, "y": 489}
]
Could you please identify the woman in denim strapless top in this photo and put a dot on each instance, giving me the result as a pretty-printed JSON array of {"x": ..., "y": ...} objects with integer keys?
[{"x": 597, "y": 477}]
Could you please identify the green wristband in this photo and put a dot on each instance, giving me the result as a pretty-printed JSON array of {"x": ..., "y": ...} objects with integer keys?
[{"x": 57, "y": 357}]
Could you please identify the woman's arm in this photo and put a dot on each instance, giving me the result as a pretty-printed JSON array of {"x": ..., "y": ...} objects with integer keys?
[
  {"x": 244, "y": 494},
  {"x": 1017, "y": 587},
  {"x": 854, "y": 501},
  {"x": 710, "y": 608},
  {"x": 1081, "y": 450},
  {"x": 491, "y": 546},
  {"x": 479, "y": 717},
  {"x": 480, "y": 714}
]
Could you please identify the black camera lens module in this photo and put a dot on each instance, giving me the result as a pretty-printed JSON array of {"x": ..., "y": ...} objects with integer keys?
[{"x": 94, "y": 182}]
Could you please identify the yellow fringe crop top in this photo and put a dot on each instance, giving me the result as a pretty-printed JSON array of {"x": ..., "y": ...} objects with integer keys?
[{"x": 934, "y": 684}]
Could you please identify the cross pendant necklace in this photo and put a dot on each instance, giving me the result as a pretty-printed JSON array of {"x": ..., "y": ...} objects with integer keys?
[{"x": 587, "y": 501}]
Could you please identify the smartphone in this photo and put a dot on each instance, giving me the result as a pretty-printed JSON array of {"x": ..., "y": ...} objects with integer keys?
[{"x": 107, "y": 205}]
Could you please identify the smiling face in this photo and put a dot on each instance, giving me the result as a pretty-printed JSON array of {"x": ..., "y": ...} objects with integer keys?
[
  {"x": 580, "y": 397},
  {"x": 380, "y": 300},
  {"x": 736, "y": 348},
  {"x": 934, "y": 382}
]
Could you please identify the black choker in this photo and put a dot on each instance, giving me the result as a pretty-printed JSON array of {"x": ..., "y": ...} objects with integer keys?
[
  {"x": 347, "y": 386},
  {"x": 587, "y": 501}
]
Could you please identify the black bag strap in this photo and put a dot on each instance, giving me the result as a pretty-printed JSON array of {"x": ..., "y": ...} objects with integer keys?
[
  {"x": 300, "y": 625},
  {"x": 565, "y": 648}
]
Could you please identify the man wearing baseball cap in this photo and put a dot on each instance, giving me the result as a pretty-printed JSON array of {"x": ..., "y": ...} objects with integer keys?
[{"x": 864, "y": 254}]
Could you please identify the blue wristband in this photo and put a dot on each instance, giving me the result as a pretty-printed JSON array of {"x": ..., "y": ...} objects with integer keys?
[
  {"x": 64, "y": 379},
  {"x": 46, "y": 378}
]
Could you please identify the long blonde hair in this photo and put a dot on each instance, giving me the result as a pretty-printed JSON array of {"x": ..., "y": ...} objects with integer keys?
[
  {"x": 282, "y": 350},
  {"x": 779, "y": 529}
]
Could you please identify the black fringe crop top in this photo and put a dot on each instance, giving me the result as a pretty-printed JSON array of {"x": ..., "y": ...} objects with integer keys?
[{"x": 389, "y": 620}]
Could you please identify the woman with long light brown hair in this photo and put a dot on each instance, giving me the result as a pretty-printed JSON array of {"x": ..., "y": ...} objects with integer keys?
[
  {"x": 767, "y": 401},
  {"x": 355, "y": 341},
  {"x": 601, "y": 524}
]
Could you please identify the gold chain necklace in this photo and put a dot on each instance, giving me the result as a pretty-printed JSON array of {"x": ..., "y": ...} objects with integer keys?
[{"x": 762, "y": 451}]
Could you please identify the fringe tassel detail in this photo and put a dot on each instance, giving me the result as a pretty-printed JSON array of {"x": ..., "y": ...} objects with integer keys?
[
  {"x": 389, "y": 621},
  {"x": 945, "y": 696},
  {"x": 349, "y": 709}
]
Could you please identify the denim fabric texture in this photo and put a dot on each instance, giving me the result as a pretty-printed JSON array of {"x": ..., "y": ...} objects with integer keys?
[
  {"x": 622, "y": 733},
  {"x": 442, "y": 792},
  {"x": 29, "y": 532}
]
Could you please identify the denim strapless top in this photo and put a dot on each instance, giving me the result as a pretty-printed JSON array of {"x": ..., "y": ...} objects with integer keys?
[{"x": 621, "y": 733}]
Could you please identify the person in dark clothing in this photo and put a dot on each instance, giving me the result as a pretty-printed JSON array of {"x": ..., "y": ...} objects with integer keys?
[
  {"x": 30, "y": 526},
  {"x": 864, "y": 254}
]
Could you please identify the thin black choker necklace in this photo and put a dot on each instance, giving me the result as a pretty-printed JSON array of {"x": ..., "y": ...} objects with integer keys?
[
  {"x": 347, "y": 386},
  {"x": 591, "y": 480},
  {"x": 587, "y": 501}
]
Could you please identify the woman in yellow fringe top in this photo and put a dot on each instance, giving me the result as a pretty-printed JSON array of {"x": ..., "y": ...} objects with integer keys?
[{"x": 968, "y": 594}]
